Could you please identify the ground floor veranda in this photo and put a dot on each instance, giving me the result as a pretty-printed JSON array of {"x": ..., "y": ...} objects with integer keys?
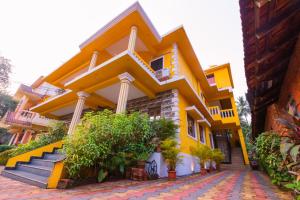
[{"x": 242, "y": 184}]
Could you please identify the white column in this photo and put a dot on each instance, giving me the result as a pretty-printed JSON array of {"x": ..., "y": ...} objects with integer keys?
[
  {"x": 132, "y": 38},
  {"x": 126, "y": 79},
  {"x": 12, "y": 139},
  {"x": 94, "y": 60},
  {"x": 78, "y": 110}
]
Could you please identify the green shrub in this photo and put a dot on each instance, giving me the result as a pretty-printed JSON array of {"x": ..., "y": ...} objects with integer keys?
[
  {"x": 170, "y": 153},
  {"x": 267, "y": 148},
  {"x": 5, "y": 155},
  {"x": 5, "y": 147},
  {"x": 108, "y": 142},
  {"x": 164, "y": 128},
  {"x": 202, "y": 152},
  {"x": 55, "y": 133}
]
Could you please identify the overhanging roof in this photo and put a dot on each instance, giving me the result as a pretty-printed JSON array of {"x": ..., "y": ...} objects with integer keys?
[{"x": 270, "y": 31}]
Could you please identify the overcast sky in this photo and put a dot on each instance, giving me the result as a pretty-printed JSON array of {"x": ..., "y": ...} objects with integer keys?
[{"x": 38, "y": 36}]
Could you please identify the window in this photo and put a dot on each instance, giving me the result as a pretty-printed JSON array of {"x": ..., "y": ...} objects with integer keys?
[
  {"x": 202, "y": 134},
  {"x": 154, "y": 113},
  {"x": 211, "y": 79},
  {"x": 157, "y": 64},
  {"x": 191, "y": 126}
]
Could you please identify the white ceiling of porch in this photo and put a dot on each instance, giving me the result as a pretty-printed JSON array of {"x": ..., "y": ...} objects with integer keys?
[{"x": 112, "y": 92}]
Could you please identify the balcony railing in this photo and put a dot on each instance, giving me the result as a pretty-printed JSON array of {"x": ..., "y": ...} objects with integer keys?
[
  {"x": 12, "y": 118},
  {"x": 221, "y": 114},
  {"x": 26, "y": 118},
  {"x": 227, "y": 113},
  {"x": 214, "y": 110}
]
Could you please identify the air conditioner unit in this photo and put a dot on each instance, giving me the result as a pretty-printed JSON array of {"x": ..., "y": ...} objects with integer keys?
[{"x": 163, "y": 74}]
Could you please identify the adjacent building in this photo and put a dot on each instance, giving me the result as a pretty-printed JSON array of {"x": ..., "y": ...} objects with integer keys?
[{"x": 272, "y": 61}]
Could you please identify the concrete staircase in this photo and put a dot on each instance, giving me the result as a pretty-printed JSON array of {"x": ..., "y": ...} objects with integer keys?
[
  {"x": 37, "y": 171},
  {"x": 237, "y": 161}
]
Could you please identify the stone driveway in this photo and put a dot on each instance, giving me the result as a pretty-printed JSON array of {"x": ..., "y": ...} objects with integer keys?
[{"x": 229, "y": 185}]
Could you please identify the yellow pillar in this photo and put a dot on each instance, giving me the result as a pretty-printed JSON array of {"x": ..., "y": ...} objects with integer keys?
[
  {"x": 132, "y": 38},
  {"x": 78, "y": 110},
  {"x": 126, "y": 79},
  {"x": 207, "y": 136},
  {"x": 93, "y": 60},
  {"x": 243, "y": 146}
]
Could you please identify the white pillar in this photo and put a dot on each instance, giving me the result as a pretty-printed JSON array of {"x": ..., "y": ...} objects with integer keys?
[
  {"x": 132, "y": 38},
  {"x": 94, "y": 60},
  {"x": 12, "y": 139},
  {"x": 126, "y": 79},
  {"x": 78, "y": 110},
  {"x": 25, "y": 137}
]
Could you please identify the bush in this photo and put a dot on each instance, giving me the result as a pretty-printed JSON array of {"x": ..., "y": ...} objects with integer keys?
[
  {"x": 202, "y": 152},
  {"x": 267, "y": 148},
  {"x": 170, "y": 153},
  {"x": 56, "y": 132},
  {"x": 5, "y": 155},
  {"x": 4, "y": 147},
  {"x": 217, "y": 156},
  {"x": 108, "y": 142},
  {"x": 164, "y": 128}
]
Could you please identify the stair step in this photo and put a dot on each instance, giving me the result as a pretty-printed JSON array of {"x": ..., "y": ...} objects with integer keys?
[
  {"x": 26, "y": 177},
  {"x": 43, "y": 162},
  {"x": 55, "y": 156},
  {"x": 35, "y": 169}
]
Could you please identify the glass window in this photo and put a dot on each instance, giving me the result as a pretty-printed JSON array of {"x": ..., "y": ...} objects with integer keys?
[
  {"x": 211, "y": 79},
  {"x": 157, "y": 64},
  {"x": 212, "y": 144},
  {"x": 191, "y": 126},
  {"x": 154, "y": 113},
  {"x": 202, "y": 134}
]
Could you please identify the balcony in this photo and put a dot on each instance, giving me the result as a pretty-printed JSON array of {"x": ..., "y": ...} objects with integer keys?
[
  {"x": 226, "y": 116},
  {"x": 26, "y": 118}
]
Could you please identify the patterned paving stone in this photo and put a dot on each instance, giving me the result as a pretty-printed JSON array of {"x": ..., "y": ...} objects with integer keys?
[{"x": 227, "y": 185}]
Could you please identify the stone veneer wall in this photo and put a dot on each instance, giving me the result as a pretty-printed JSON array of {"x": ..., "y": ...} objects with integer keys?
[{"x": 167, "y": 101}]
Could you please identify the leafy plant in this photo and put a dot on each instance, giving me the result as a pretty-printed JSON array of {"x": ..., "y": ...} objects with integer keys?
[
  {"x": 5, "y": 147},
  {"x": 217, "y": 156},
  {"x": 268, "y": 147},
  {"x": 295, "y": 186},
  {"x": 55, "y": 133},
  {"x": 5, "y": 155},
  {"x": 170, "y": 153},
  {"x": 202, "y": 152},
  {"x": 109, "y": 143}
]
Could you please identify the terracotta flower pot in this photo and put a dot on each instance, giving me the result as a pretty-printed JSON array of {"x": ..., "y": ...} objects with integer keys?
[
  {"x": 172, "y": 175},
  {"x": 141, "y": 164}
]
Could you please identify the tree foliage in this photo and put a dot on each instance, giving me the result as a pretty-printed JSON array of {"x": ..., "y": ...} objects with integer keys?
[{"x": 5, "y": 70}]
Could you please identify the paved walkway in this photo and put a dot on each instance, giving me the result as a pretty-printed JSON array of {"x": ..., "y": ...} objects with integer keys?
[{"x": 229, "y": 185}]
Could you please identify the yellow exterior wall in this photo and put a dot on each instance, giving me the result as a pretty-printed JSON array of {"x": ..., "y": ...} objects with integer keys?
[
  {"x": 187, "y": 141},
  {"x": 184, "y": 70},
  {"x": 222, "y": 78}
]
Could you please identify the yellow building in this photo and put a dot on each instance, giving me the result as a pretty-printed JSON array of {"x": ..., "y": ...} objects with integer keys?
[{"x": 128, "y": 66}]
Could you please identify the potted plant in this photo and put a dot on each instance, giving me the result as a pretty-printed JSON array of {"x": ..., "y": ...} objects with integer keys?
[
  {"x": 203, "y": 153},
  {"x": 217, "y": 157},
  {"x": 163, "y": 129},
  {"x": 170, "y": 153}
]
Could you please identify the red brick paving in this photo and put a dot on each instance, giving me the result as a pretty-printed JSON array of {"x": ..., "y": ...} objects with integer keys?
[{"x": 227, "y": 185}]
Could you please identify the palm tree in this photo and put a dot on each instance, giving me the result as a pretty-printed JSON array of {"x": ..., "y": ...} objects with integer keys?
[{"x": 243, "y": 109}]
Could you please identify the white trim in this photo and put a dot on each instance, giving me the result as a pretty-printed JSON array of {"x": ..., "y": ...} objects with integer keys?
[
  {"x": 203, "y": 132},
  {"x": 126, "y": 76},
  {"x": 190, "y": 108},
  {"x": 195, "y": 127},
  {"x": 135, "y": 7},
  {"x": 51, "y": 99},
  {"x": 204, "y": 121}
]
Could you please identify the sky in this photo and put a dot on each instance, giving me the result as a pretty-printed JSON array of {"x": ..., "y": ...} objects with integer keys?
[{"x": 38, "y": 36}]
